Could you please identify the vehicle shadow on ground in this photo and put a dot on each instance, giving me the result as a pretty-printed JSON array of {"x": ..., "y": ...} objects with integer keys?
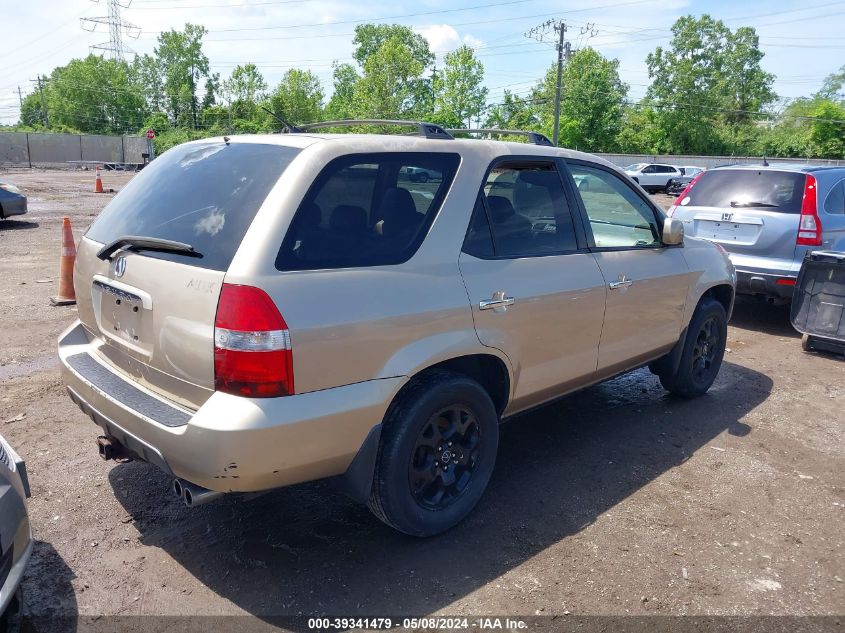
[
  {"x": 55, "y": 601},
  {"x": 13, "y": 225},
  {"x": 307, "y": 550},
  {"x": 753, "y": 313}
]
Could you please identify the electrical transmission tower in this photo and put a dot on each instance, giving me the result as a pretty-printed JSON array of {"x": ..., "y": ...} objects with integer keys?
[
  {"x": 117, "y": 27},
  {"x": 554, "y": 31}
]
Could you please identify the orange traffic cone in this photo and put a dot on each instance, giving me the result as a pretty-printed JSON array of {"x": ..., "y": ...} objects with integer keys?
[
  {"x": 67, "y": 296},
  {"x": 98, "y": 184}
]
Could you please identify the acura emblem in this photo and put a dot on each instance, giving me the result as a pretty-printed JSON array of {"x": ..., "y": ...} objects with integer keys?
[{"x": 119, "y": 266}]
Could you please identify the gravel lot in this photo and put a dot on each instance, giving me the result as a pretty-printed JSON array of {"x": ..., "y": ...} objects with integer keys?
[{"x": 619, "y": 500}]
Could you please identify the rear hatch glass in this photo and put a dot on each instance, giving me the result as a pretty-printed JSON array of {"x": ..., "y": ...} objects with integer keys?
[
  {"x": 205, "y": 195},
  {"x": 777, "y": 191},
  {"x": 153, "y": 311}
]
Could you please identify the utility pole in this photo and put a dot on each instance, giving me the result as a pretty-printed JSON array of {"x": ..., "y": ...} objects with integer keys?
[
  {"x": 43, "y": 105},
  {"x": 554, "y": 32},
  {"x": 20, "y": 96},
  {"x": 544, "y": 33},
  {"x": 563, "y": 49}
]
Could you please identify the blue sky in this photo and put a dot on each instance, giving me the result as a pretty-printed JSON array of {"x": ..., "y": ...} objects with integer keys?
[{"x": 802, "y": 41}]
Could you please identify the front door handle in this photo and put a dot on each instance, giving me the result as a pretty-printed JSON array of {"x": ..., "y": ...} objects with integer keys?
[
  {"x": 499, "y": 302},
  {"x": 623, "y": 282}
]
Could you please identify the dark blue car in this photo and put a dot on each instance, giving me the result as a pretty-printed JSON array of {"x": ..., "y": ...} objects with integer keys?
[{"x": 12, "y": 200}]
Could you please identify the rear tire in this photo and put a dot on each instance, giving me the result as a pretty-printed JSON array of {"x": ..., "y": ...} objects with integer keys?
[
  {"x": 437, "y": 452},
  {"x": 704, "y": 349}
]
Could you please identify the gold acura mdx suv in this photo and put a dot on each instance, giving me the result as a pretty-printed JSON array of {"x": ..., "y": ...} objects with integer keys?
[{"x": 258, "y": 311}]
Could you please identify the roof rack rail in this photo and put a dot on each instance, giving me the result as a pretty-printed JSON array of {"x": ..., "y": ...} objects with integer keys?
[
  {"x": 533, "y": 137},
  {"x": 427, "y": 130}
]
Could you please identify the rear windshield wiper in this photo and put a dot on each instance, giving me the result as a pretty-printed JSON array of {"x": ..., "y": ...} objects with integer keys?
[
  {"x": 141, "y": 243},
  {"x": 736, "y": 203}
]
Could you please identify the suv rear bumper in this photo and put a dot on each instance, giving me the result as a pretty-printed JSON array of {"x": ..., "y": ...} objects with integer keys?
[
  {"x": 755, "y": 283},
  {"x": 232, "y": 443}
]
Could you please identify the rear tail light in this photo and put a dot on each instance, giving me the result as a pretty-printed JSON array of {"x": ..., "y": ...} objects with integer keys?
[
  {"x": 809, "y": 226},
  {"x": 252, "y": 350},
  {"x": 683, "y": 195}
]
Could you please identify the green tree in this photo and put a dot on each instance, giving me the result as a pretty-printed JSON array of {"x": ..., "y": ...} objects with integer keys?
[
  {"x": 342, "y": 103},
  {"x": 369, "y": 38},
  {"x": 243, "y": 90},
  {"x": 298, "y": 98},
  {"x": 709, "y": 77},
  {"x": 514, "y": 113},
  {"x": 93, "y": 94},
  {"x": 459, "y": 89},
  {"x": 181, "y": 65},
  {"x": 834, "y": 86},
  {"x": 389, "y": 87},
  {"x": 827, "y": 128},
  {"x": 591, "y": 105}
]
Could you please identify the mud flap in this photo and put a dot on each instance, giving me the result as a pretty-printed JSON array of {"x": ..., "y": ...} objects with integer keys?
[
  {"x": 357, "y": 481},
  {"x": 668, "y": 364}
]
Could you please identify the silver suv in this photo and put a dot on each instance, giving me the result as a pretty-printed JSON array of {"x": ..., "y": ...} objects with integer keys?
[
  {"x": 15, "y": 536},
  {"x": 767, "y": 218},
  {"x": 259, "y": 311}
]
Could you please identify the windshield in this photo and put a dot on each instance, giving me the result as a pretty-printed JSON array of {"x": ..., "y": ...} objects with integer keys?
[
  {"x": 778, "y": 191},
  {"x": 204, "y": 195},
  {"x": 635, "y": 167}
]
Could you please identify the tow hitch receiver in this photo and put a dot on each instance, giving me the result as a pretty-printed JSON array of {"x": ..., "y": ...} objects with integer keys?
[{"x": 110, "y": 448}]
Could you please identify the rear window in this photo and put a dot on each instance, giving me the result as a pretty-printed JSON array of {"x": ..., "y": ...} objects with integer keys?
[
  {"x": 205, "y": 195},
  {"x": 778, "y": 191},
  {"x": 367, "y": 210}
]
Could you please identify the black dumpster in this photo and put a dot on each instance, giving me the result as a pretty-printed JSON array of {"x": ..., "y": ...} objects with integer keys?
[{"x": 818, "y": 305}]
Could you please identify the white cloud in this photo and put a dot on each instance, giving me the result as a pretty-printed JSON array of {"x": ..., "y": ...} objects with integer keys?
[{"x": 444, "y": 38}]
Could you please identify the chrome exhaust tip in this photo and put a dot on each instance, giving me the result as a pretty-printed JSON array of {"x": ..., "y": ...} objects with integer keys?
[{"x": 193, "y": 495}]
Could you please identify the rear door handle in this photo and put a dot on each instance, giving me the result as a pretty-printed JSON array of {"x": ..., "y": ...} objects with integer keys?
[
  {"x": 499, "y": 300},
  {"x": 623, "y": 282}
]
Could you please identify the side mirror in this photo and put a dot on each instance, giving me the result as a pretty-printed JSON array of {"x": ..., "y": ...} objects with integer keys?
[{"x": 673, "y": 232}]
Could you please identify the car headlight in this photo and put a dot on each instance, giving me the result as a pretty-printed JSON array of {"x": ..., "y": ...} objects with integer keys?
[{"x": 9, "y": 187}]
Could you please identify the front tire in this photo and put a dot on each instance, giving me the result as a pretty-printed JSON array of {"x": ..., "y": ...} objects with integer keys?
[
  {"x": 437, "y": 452},
  {"x": 704, "y": 349}
]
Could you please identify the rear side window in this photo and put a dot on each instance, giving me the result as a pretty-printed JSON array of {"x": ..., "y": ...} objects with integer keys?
[
  {"x": 835, "y": 201},
  {"x": 205, "y": 195},
  {"x": 367, "y": 210},
  {"x": 778, "y": 191},
  {"x": 527, "y": 210}
]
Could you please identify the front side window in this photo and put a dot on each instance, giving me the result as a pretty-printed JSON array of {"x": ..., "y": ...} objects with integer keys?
[
  {"x": 618, "y": 217},
  {"x": 367, "y": 210},
  {"x": 527, "y": 210}
]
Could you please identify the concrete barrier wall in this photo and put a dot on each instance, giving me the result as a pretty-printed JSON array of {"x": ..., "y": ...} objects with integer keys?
[
  {"x": 54, "y": 148},
  {"x": 104, "y": 148},
  {"x": 623, "y": 160},
  {"x": 25, "y": 149},
  {"x": 133, "y": 147},
  {"x": 14, "y": 149}
]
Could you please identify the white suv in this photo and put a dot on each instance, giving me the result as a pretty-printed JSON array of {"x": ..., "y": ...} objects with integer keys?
[{"x": 653, "y": 176}]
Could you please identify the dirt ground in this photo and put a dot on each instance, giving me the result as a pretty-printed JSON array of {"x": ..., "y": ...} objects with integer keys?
[{"x": 619, "y": 500}]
